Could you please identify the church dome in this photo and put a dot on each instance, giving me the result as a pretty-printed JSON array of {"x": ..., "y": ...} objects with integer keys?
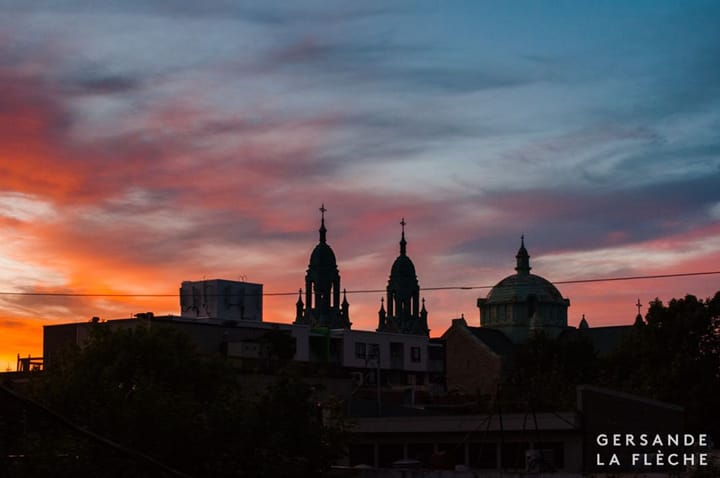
[
  {"x": 519, "y": 287},
  {"x": 523, "y": 285},
  {"x": 322, "y": 256},
  {"x": 403, "y": 267}
]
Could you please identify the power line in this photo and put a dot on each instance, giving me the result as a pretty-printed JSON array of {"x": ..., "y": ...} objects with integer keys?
[{"x": 368, "y": 291}]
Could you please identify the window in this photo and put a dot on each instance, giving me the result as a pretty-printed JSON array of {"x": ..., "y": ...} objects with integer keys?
[
  {"x": 360, "y": 348},
  {"x": 373, "y": 351},
  {"x": 415, "y": 354}
]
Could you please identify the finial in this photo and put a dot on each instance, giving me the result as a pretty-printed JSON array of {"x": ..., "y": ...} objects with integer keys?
[
  {"x": 638, "y": 305},
  {"x": 323, "y": 231},
  {"x": 403, "y": 242}
]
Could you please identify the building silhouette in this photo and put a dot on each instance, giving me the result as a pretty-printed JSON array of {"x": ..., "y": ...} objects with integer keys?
[
  {"x": 322, "y": 306},
  {"x": 404, "y": 313},
  {"x": 523, "y": 303}
]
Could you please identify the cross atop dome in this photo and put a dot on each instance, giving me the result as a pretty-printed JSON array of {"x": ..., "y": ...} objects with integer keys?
[{"x": 323, "y": 231}]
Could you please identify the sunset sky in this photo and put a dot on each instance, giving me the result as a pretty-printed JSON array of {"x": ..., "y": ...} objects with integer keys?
[{"x": 147, "y": 143}]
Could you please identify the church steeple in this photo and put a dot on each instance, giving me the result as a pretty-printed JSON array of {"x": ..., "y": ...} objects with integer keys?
[
  {"x": 523, "y": 258},
  {"x": 322, "y": 306},
  {"x": 639, "y": 322},
  {"x": 403, "y": 296}
]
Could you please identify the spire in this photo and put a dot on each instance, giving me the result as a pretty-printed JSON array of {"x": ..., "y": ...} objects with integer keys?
[
  {"x": 403, "y": 243},
  {"x": 299, "y": 307},
  {"x": 583, "y": 323},
  {"x": 639, "y": 318},
  {"x": 523, "y": 258},
  {"x": 345, "y": 302},
  {"x": 323, "y": 231},
  {"x": 382, "y": 305}
]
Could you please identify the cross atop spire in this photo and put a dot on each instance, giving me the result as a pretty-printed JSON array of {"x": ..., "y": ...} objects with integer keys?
[
  {"x": 638, "y": 305},
  {"x": 403, "y": 242},
  {"x": 323, "y": 231}
]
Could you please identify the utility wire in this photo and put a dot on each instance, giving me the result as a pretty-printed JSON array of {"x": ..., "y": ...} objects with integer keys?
[{"x": 368, "y": 291}]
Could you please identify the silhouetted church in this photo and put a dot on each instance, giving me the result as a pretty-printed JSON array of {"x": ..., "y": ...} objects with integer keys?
[
  {"x": 524, "y": 303},
  {"x": 403, "y": 297},
  {"x": 322, "y": 306}
]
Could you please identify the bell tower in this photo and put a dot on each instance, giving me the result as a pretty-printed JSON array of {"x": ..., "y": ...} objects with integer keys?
[
  {"x": 322, "y": 307},
  {"x": 404, "y": 313}
]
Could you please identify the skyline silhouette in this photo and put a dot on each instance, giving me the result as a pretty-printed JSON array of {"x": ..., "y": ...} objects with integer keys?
[{"x": 148, "y": 145}]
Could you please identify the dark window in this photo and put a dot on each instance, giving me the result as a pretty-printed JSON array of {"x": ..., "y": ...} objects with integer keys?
[
  {"x": 373, "y": 351},
  {"x": 415, "y": 355},
  {"x": 531, "y": 305},
  {"x": 360, "y": 348}
]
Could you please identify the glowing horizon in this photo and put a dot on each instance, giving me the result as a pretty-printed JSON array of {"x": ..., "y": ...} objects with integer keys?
[{"x": 144, "y": 145}]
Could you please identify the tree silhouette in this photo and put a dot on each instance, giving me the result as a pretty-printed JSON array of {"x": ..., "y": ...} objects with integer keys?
[{"x": 147, "y": 389}]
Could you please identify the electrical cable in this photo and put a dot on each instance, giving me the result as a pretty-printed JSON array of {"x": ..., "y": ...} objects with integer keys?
[{"x": 366, "y": 291}]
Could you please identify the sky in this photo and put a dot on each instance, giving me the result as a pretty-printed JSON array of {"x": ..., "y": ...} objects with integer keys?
[{"x": 147, "y": 143}]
